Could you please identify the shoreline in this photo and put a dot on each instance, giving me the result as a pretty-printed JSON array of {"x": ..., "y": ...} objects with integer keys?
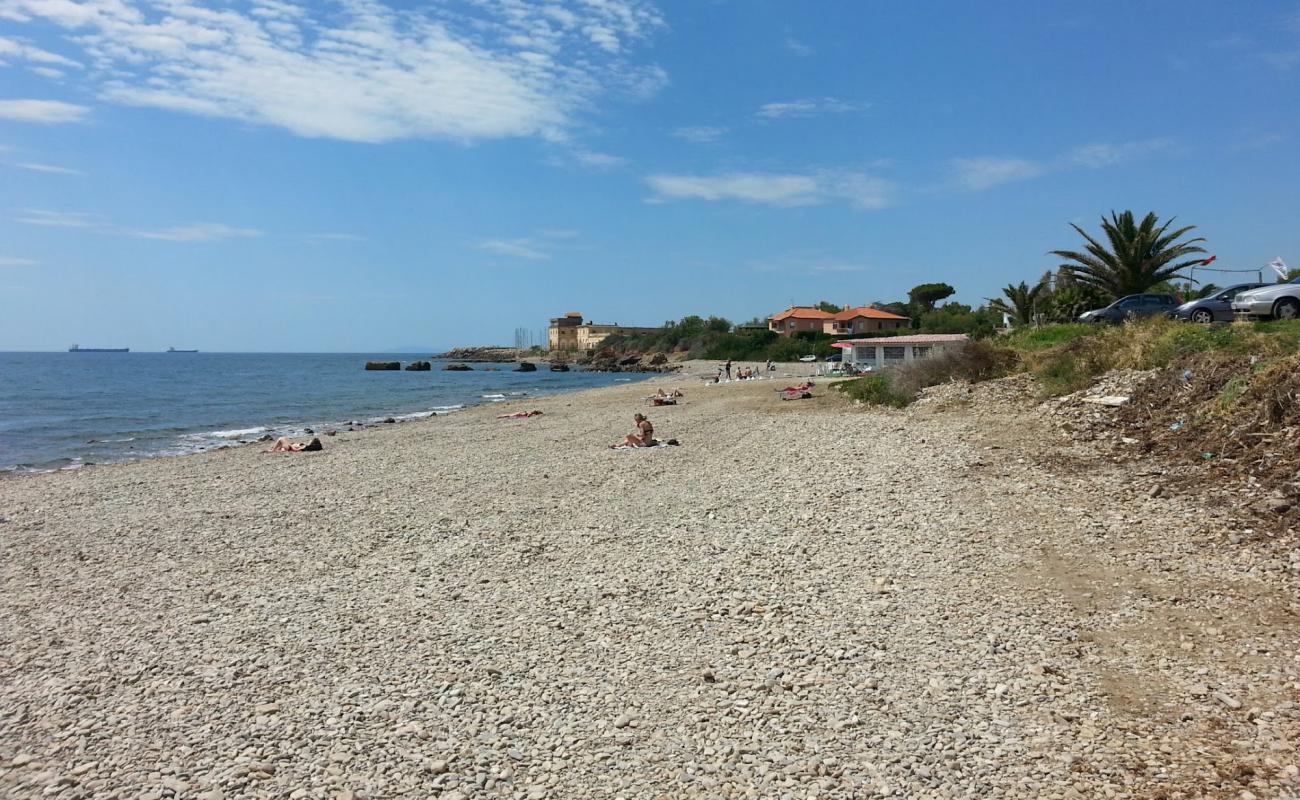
[{"x": 219, "y": 440}]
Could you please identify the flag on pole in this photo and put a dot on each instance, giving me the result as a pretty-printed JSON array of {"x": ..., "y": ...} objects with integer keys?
[
  {"x": 1279, "y": 266},
  {"x": 1207, "y": 262}
]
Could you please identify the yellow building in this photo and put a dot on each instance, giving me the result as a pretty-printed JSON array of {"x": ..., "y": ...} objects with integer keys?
[{"x": 570, "y": 332}]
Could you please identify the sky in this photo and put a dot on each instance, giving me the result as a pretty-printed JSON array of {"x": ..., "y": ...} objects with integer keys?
[{"x": 355, "y": 176}]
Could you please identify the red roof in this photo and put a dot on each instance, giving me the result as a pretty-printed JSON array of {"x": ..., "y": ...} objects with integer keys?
[
  {"x": 866, "y": 311},
  {"x": 802, "y": 312}
]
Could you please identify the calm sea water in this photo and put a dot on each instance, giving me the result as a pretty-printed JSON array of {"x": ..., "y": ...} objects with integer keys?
[{"x": 64, "y": 410}]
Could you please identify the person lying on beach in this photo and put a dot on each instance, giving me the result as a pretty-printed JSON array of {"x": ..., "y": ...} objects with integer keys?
[
  {"x": 644, "y": 436},
  {"x": 520, "y": 415},
  {"x": 285, "y": 445},
  {"x": 803, "y": 387}
]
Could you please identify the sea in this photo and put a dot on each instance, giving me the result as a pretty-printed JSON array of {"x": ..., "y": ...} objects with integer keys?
[{"x": 70, "y": 410}]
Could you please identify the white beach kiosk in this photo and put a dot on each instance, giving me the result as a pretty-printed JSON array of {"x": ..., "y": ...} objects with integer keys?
[{"x": 888, "y": 351}]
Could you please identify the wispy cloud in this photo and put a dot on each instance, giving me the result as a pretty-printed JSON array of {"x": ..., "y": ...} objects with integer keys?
[
  {"x": 775, "y": 189},
  {"x": 193, "y": 232},
  {"x": 363, "y": 70},
  {"x": 49, "y": 168},
  {"x": 322, "y": 238},
  {"x": 1282, "y": 61},
  {"x": 197, "y": 232},
  {"x": 700, "y": 134},
  {"x": 985, "y": 172},
  {"x": 10, "y": 261},
  {"x": 17, "y": 50},
  {"x": 809, "y": 107},
  {"x": 808, "y": 266},
  {"x": 798, "y": 48},
  {"x": 558, "y": 233},
  {"x": 42, "y": 111},
  {"x": 60, "y": 219},
  {"x": 594, "y": 160},
  {"x": 514, "y": 248}
]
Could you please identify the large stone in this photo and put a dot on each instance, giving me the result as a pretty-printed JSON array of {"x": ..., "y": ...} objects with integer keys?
[{"x": 383, "y": 365}]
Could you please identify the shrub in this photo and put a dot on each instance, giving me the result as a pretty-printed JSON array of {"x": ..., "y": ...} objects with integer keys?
[
  {"x": 874, "y": 390},
  {"x": 897, "y": 386}
]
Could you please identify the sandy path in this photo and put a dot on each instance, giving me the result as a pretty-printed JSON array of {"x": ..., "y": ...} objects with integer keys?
[{"x": 803, "y": 600}]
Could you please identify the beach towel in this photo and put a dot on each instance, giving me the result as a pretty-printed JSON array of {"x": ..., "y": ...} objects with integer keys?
[{"x": 656, "y": 446}]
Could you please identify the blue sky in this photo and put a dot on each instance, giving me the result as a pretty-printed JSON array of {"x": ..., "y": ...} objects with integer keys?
[{"x": 350, "y": 176}]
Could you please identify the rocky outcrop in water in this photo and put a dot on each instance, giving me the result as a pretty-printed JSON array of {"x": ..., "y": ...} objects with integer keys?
[
  {"x": 419, "y": 366},
  {"x": 383, "y": 365},
  {"x": 495, "y": 355},
  {"x": 457, "y": 368}
]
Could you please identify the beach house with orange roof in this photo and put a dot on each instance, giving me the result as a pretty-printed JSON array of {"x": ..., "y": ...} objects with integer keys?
[
  {"x": 849, "y": 321},
  {"x": 798, "y": 318},
  {"x": 863, "y": 320}
]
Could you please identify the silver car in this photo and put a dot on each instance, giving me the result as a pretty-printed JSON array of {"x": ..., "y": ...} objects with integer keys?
[
  {"x": 1215, "y": 308},
  {"x": 1275, "y": 301}
]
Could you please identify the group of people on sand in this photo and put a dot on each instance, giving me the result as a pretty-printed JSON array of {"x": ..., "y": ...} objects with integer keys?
[{"x": 742, "y": 374}]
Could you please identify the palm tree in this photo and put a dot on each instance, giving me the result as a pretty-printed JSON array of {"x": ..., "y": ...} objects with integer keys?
[
  {"x": 1020, "y": 302},
  {"x": 1139, "y": 257}
]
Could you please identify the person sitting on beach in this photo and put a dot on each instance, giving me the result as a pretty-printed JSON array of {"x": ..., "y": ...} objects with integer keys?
[
  {"x": 520, "y": 415},
  {"x": 644, "y": 437},
  {"x": 285, "y": 445}
]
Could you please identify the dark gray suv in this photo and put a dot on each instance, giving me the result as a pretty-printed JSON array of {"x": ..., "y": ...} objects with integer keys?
[{"x": 1135, "y": 306}]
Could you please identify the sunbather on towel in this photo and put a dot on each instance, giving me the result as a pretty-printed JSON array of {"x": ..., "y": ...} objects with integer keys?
[
  {"x": 520, "y": 415},
  {"x": 286, "y": 445}
]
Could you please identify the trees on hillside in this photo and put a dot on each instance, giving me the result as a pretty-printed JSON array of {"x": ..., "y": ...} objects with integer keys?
[{"x": 1135, "y": 257}]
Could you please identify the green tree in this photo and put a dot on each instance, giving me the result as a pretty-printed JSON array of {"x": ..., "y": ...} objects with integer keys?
[
  {"x": 829, "y": 308},
  {"x": 1138, "y": 255},
  {"x": 924, "y": 297},
  {"x": 1020, "y": 302}
]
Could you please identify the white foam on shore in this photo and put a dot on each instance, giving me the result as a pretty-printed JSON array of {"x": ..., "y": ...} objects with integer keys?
[{"x": 234, "y": 434}]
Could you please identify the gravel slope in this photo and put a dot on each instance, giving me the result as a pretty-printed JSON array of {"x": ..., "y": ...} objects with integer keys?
[{"x": 803, "y": 600}]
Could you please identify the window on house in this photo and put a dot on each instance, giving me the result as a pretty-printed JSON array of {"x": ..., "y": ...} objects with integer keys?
[
  {"x": 920, "y": 352},
  {"x": 895, "y": 353}
]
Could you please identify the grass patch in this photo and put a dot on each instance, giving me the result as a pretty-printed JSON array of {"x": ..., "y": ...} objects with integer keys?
[
  {"x": 1232, "y": 392},
  {"x": 874, "y": 390}
]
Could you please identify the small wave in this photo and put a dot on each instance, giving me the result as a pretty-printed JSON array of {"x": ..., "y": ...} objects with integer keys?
[
  {"x": 493, "y": 396},
  {"x": 415, "y": 415},
  {"x": 441, "y": 409},
  {"x": 235, "y": 434},
  {"x": 622, "y": 380}
]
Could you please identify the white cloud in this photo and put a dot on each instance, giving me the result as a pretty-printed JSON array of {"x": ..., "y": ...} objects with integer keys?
[
  {"x": 798, "y": 48},
  {"x": 59, "y": 219},
  {"x": 197, "y": 232},
  {"x": 808, "y": 107},
  {"x": 1095, "y": 156},
  {"x": 49, "y": 168},
  {"x": 985, "y": 172},
  {"x": 774, "y": 189},
  {"x": 15, "y": 50},
  {"x": 362, "y": 70},
  {"x": 701, "y": 134},
  {"x": 42, "y": 111},
  {"x": 599, "y": 160},
  {"x": 10, "y": 261},
  {"x": 514, "y": 248}
]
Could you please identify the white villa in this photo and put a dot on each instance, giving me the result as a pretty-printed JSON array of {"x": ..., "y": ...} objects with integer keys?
[{"x": 890, "y": 350}]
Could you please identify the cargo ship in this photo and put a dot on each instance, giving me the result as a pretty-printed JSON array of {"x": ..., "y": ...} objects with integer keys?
[
  {"x": 76, "y": 348},
  {"x": 174, "y": 350}
]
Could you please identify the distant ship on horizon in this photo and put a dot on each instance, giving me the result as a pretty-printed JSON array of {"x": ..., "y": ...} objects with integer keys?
[
  {"x": 174, "y": 350},
  {"x": 76, "y": 348}
]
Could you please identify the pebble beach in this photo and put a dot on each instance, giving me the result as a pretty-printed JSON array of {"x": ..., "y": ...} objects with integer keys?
[{"x": 805, "y": 599}]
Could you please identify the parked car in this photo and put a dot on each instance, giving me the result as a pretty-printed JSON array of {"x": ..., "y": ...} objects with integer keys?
[
  {"x": 1216, "y": 308},
  {"x": 835, "y": 359},
  {"x": 808, "y": 358},
  {"x": 1130, "y": 307},
  {"x": 1277, "y": 300}
]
